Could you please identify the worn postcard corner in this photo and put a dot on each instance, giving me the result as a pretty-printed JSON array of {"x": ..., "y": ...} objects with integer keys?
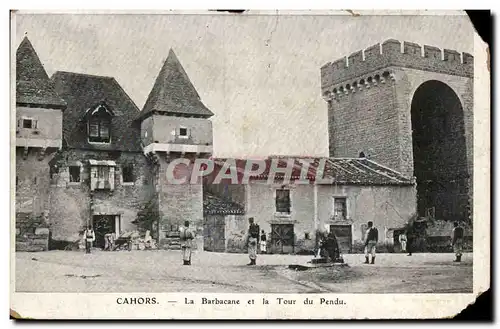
[{"x": 258, "y": 165}]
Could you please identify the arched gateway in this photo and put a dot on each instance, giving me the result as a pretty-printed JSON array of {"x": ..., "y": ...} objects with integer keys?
[
  {"x": 412, "y": 107},
  {"x": 439, "y": 151}
]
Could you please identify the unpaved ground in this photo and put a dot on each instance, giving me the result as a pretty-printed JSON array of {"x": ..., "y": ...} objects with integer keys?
[{"x": 161, "y": 271}]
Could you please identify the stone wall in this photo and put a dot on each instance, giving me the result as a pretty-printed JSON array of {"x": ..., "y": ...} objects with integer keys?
[
  {"x": 366, "y": 121},
  {"x": 32, "y": 181},
  {"x": 71, "y": 207},
  {"x": 48, "y": 126},
  {"x": 178, "y": 203},
  {"x": 165, "y": 129},
  {"x": 388, "y": 207},
  {"x": 235, "y": 233},
  {"x": 32, "y": 233}
]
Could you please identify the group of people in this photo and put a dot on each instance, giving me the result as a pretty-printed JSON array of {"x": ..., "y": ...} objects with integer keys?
[
  {"x": 328, "y": 244},
  {"x": 407, "y": 241}
]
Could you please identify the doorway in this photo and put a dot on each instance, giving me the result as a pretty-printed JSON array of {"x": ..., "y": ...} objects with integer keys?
[
  {"x": 343, "y": 233},
  {"x": 282, "y": 239},
  {"x": 439, "y": 151},
  {"x": 103, "y": 224}
]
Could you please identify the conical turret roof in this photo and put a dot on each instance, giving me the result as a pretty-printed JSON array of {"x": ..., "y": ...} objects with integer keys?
[
  {"x": 173, "y": 93},
  {"x": 33, "y": 86}
]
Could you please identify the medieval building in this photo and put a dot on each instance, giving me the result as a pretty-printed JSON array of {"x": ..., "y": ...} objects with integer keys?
[
  {"x": 399, "y": 114},
  {"x": 86, "y": 155},
  {"x": 341, "y": 196},
  {"x": 409, "y": 108}
]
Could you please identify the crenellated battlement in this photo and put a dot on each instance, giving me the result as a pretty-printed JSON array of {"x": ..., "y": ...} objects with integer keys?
[{"x": 395, "y": 53}]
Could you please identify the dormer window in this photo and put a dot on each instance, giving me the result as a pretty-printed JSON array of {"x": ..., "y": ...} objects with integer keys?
[{"x": 99, "y": 125}]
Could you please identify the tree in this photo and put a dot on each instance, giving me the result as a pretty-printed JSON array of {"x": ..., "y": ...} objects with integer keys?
[{"x": 147, "y": 217}]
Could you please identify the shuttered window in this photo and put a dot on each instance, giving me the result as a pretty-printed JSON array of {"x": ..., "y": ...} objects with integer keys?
[{"x": 102, "y": 178}]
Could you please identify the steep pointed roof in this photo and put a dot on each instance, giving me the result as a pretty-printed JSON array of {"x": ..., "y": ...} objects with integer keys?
[
  {"x": 33, "y": 86},
  {"x": 173, "y": 93}
]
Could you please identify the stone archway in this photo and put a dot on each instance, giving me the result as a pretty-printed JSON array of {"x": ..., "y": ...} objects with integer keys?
[{"x": 439, "y": 151}]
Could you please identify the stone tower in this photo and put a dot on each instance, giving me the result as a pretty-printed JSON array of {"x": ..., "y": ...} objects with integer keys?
[
  {"x": 174, "y": 124},
  {"x": 39, "y": 114},
  {"x": 409, "y": 108}
]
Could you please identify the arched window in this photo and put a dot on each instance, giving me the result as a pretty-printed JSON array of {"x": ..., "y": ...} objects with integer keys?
[{"x": 99, "y": 125}]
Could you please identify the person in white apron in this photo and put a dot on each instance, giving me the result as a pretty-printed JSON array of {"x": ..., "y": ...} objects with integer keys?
[
  {"x": 89, "y": 237},
  {"x": 252, "y": 241},
  {"x": 402, "y": 241}
]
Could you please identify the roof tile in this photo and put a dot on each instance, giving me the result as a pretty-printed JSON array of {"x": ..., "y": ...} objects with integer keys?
[
  {"x": 214, "y": 205},
  {"x": 173, "y": 92},
  {"x": 83, "y": 91},
  {"x": 33, "y": 86}
]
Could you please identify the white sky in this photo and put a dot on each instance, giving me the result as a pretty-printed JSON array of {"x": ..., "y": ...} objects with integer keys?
[{"x": 260, "y": 75}]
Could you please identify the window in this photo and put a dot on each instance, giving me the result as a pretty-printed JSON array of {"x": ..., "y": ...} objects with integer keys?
[
  {"x": 99, "y": 130},
  {"x": 183, "y": 132},
  {"x": 27, "y": 123},
  {"x": 74, "y": 174},
  {"x": 128, "y": 173},
  {"x": 339, "y": 209},
  {"x": 99, "y": 126},
  {"x": 283, "y": 201},
  {"x": 102, "y": 177}
]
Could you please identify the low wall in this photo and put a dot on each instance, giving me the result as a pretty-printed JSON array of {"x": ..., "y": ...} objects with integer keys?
[{"x": 37, "y": 241}]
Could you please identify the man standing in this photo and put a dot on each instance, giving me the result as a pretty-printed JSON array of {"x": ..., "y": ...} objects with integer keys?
[
  {"x": 457, "y": 241},
  {"x": 370, "y": 243},
  {"x": 252, "y": 241},
  {"x": 89, "y": 237},
  {"x": 402, "y": 241},
  {"x": 263, "y": 242},
  {"x": 186, "y": 236}
]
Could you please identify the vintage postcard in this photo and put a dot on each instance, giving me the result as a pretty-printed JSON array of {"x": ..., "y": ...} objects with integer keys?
[{"x": 253, "y": 165}]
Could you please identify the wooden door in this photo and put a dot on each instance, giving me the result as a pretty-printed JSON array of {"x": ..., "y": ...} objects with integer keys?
[
  {"x": 343, "y": 233},
  {"x": 214, "y": 228},
  {"x": 282, "y": 238}
]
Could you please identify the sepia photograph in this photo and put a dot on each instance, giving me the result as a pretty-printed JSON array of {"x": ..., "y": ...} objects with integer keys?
[{"x": 296, "y": 156}]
